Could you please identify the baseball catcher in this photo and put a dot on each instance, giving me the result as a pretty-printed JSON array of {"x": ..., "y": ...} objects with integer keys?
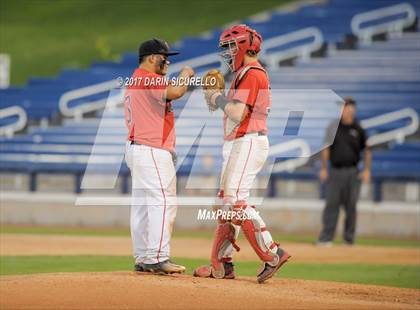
[{"x": 245, "y": 151}]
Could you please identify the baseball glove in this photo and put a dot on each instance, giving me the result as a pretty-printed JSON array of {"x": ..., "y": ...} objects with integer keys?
[{"x": 213, "y": 82}]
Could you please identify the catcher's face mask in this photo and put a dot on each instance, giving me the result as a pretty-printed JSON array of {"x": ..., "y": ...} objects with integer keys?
[
  {"x": 236, "y": 42},
  {"x": 229, "y": 51}
]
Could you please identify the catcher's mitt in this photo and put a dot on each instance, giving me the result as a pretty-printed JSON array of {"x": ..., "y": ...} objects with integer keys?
[{"x": 213, "y": 82}]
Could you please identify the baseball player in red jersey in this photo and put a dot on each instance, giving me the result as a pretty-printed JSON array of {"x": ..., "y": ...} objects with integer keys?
[
  {"x": 149, "y": 155},
  {"x": 245, "y": 151}
]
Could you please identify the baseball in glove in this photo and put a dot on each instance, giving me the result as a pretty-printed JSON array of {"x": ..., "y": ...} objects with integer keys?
[{"x": 213, "y": 82}]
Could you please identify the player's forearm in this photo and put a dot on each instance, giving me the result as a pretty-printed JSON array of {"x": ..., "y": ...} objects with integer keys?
[
  {"x": 325, "y": 156},
  {"x": 236, "y": 111},
  {"x": 178, "y": 90},
  {"x": 175, "y": 91},
  {"x": 367, "y": 159}
]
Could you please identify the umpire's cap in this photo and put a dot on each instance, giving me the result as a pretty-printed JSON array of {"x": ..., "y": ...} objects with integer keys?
[
  {"x": 349, "y": 100},
  {"x": 155, "y": 46}
]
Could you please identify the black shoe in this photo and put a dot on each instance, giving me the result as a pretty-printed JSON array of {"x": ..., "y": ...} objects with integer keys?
[
  {"x": 269, "y": 271},
  {"x": 229, "y": 270},
  {"x": 139, "y": 267}
]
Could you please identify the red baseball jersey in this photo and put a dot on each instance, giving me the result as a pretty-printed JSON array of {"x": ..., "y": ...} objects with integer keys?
[
  {"x": 148, "y": 116},
  {"x": 252, "y": 87}
]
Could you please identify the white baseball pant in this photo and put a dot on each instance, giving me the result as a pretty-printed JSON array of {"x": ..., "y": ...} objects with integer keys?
[
  {"x": 243, "y": 159},
  {"x": 153, "y": 204}
]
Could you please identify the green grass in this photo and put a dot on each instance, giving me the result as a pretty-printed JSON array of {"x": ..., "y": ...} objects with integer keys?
[
  {"x": 69, "y": 231},
  {"x": 81, "y": 231},
  {"x": 389, "y": 275},
  {"x": 43, "y": 36},
  {"x": 305, "y": 238}
]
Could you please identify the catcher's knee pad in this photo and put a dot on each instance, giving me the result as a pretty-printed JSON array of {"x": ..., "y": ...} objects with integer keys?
[
  {"x": 255, "y": 232},
  {"x": 224, "y": 236},
  {"x": 239, "y": 209}
]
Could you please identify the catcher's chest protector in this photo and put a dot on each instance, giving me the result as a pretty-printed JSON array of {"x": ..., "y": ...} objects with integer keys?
[
  {"x": 256, "y": 95},
  {"x": 262, "y": 103}
]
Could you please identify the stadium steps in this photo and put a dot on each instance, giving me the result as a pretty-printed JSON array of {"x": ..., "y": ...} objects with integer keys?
[{"x": 378, "y": 85}]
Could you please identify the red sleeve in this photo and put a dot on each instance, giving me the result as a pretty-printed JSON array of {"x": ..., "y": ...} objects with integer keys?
[{"x": 247, "y": 90}]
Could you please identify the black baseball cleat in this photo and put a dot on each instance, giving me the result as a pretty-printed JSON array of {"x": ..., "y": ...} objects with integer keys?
[
  {"x": 139, "y": 267},
  {"x": 166, "y": 267},
  {"x": 229, "y": 270},
  {"x": 269, "y": 271}
]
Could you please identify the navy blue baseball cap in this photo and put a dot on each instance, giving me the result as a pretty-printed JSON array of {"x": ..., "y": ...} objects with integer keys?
[{"x": 155, "y": 46}]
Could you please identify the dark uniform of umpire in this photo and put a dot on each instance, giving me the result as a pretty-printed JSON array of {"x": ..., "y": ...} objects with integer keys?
[{"x": 343, "y": 179}]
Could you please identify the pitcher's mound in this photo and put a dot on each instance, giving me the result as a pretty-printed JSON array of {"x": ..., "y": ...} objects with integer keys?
[{"x": 126, "y": 290}]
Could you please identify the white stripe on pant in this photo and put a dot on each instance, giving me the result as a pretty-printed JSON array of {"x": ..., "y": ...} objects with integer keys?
[{"x": 154, "y": 204}]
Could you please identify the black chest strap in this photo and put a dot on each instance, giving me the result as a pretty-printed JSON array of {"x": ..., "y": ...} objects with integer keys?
[{"x": 241, "y": 75}]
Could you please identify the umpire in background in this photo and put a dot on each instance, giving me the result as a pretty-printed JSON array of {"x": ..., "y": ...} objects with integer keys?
[{"x": 343, "y": 178}]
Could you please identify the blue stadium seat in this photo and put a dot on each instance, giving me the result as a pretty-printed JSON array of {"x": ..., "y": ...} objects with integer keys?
[{"x": 382, "y": 77}]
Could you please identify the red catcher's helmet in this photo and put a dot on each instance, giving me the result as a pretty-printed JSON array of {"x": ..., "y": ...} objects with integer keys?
[{"x": 236, "y": 42}]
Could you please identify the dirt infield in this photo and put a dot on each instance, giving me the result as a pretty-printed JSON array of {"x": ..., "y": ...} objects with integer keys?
[
  {"x": 127, "y": 290},
  {"x": 20, "y": 244}
]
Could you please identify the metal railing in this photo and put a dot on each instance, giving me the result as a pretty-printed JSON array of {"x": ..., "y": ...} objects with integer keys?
[
  {"x": 395, "y": 26},
  {"x": 9, "y": 129},
  {"x": 397, "y": 134},
  {"x": 79, "y": 110},
  {"x": 200, "y": 61},
  {"x": 303, "y": 51},
  {"x": 272, "y": 58}
]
